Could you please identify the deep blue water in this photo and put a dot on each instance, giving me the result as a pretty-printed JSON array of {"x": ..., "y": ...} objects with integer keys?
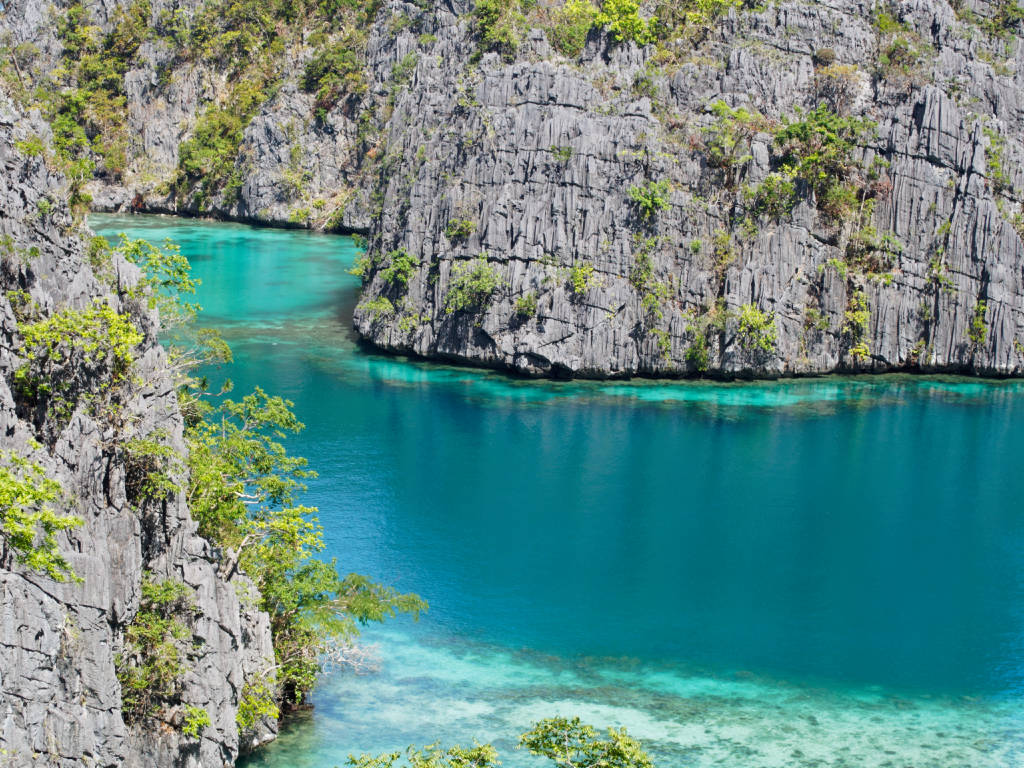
[{"x": 756, "y": 574}]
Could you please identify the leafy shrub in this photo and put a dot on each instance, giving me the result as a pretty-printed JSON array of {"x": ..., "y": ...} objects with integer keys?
[
  {"x": 256, "y": 702},
  {"x": 379, "y": 308},
  {"x": 195, "y": 720},
  {"x": 622, "y": 19},
  {"x": 500, "y": 26},
  {"x": 977, "y": 329},
  {"x": 28, "y": 524},
  {"x": 401, "y": 268},
  {"x": 471, "y": 287},
  {"x": 581, "y": 278},
  {"x": 335, "y": 70},
  {"x": 757, "y": 331},
  {"x": 526, "y": 306},
  {"x": 152, "y": 667},
  {"x": 459, "y": 229},
  {"x": 727, "y": 142},
  {"x": 855, "y": 324},
  {"x": 571, "y": 25},
  {"x": 75, "y": 356},
  {"x": 650, "y": 198}
]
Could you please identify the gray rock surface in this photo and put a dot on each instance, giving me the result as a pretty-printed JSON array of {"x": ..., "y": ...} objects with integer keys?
[
  {"x": 473, "y": 138},
  {"x": 60, "y": 700},
  {"x": 477, "y": 143}
]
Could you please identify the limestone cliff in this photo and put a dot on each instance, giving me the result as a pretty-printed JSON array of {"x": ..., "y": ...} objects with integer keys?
[
  {"x": 60, "y": 697},
  {"x": 516, "y": 172}
]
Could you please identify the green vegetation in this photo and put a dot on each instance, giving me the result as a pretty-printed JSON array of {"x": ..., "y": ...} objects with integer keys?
[
  {"x": 562, "y": 154},
  {"x": 157, "y": 649},
  {"x": 243, "y": 491},
  {"x": 855, "y": 324},
  {"x": 995, "y": 162},
  {"x": 258, "y": 701},
  {"x": 650, "y": 198},
  {"x": 58, "y": 349},
  {"x": 526, "y": 306},
  {"x": 500, "y": 25},
  {"x": 471, "y": 287},
  {"x": 757, "y": 331},
  {"x": 900, "y": 49},
  {"x": 28, "y": 523},
  {"x": 459, "y": 229},
  {"x": 400, "y": 269},
  {"x": 336, "y": 70},
  {"x": 977, "y": 330},
  {"x": 581, "y": 278},
  {"x": 566, "y": 743},
  {"x": 1006, "y": 17},
  {"x": 380, "y": 308},
  {"x": 570, "y": 27},
  {"x": 727, "y": 142},
  {"x": 195, "y": 720},
  {"x": 815, "y": 152}
]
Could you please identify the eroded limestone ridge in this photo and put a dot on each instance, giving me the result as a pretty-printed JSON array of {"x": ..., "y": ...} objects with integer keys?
[
  {"x": 585, "y": 188},
  {"x": 811, "y": 187},
  {"x": 84, "y": 389}
]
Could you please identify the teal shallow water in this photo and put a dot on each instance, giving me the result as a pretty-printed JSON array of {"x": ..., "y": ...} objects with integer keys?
[{"x": 820, "y": 572}]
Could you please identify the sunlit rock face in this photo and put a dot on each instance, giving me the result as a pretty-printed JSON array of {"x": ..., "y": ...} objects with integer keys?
[
  {"x": 449, "y": 153},
  {"x": 60, "y": 699}
]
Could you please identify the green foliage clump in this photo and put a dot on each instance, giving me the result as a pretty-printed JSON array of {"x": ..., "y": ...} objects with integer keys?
[
  {"x": 572, "y": 744},
  {"x": 459, "y": 229},
  {"x": 33, "y": 146},
  {"x": 28, "y": 523},
  {"x": 207, "y": 160},
  {"x": 995, "y": 162},
  {"x": 650, "y": 198},
  {"x": 256, "y": 703},
  {"x": 152, "y": 666},
  {"x": 817, "y": 150},
  {"x": 855, "y": 324},
  {"x": 977, "y": 329},
  {"x": 76, "y": 353},
  {"x": 727, "y": 142},
  {"x": 526, "y": 306},
  {"x": 623, "y": 20},
  {"x": 500, "y": 25},
  {"x": 568, "y": 743},
  {"x": 379, "y": 308},
  {"x": 481, "y": 756},
  {"x": 757, "y": 331},
  {"x": 581, "y": 278},
  {"x": 195, "y": 720},
  {"x": 336, "y": 70},
  {"x": 243, "y": 489},
  {"x": 571, "y": 25},
  {"x": 471, "y": 287},
  {"x": 166, "y": 276},
  {"x": 400, "y": 269}
]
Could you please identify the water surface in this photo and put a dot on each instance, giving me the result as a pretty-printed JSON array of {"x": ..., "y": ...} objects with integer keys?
[{"x": 800, "y": 573}]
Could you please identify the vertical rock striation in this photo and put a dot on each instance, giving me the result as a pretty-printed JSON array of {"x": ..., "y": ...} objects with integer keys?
[{"x": 60, "y": 700}]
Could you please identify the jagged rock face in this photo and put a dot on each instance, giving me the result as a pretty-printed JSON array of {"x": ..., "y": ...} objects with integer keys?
[
  {"x": 538, "y": 155},
  {"x": 484, "y": 146},
  {"x": 60, "y": 700}
]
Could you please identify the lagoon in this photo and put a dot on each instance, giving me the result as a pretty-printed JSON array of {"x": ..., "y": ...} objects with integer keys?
[{"x": 797, "y": 573}]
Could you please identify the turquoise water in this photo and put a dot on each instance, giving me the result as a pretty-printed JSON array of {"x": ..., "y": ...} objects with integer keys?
[{"x": 809, "y": 573}]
